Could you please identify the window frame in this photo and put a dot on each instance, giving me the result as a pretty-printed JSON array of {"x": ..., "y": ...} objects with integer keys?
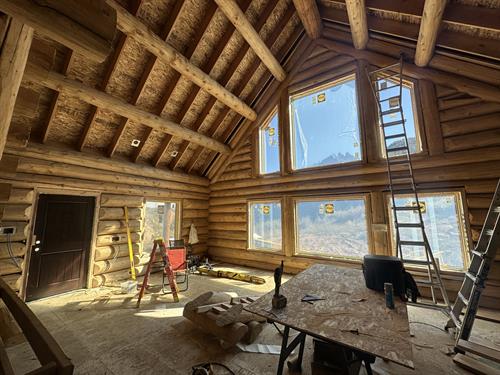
[
  {"x": 358, "y": 196},
  {"x": 417, "y": 117},
  {"x": 250, "y": 224},
  {"x": 260, "y": 158},
  {"x": 300, "y": 93},
  {"x": 178, "y": 215},
  {"x": 464, "y": 226}
]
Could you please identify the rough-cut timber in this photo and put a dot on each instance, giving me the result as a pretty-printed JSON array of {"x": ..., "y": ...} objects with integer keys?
[
  {"x": 429, "y": 29},
  {"x": 310, "y": 17},
  {"x": 357, "y": 20}
]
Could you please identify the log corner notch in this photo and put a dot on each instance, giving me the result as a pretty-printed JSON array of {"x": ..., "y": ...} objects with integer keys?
[
  {"x": 236, "y": 16},
  {"x": 429, "y": 30},
  {"x": 356, "y": 12},
  {"x": 309, "y": 16},
  {"x": 85, "y": 26},
  {"x": 13, "y": 58}
]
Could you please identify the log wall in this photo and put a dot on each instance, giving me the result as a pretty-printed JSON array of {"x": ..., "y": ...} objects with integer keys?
[
  {"x": 116, "y": 184},
  {"x": 461, "y": 141}
]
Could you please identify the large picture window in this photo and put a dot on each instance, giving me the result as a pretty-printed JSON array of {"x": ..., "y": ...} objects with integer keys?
[
  {"x": 444, "y": 226},
  {"x": 161, "y": 220},
  {"x": 325, "y": 125},
  {"x": 408, "y": 103},
  {"x": 335, "y": 227},
  {"x": 269, "y": 145},
  {"x": 264, "y": 225}
]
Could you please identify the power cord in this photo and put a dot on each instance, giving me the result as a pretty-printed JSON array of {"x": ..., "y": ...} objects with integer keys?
[
  {"x": 206, "y": 368},
  {"x": 11, "y": 252}
]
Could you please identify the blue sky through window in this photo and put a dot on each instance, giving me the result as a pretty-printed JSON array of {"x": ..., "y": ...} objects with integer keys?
[
  {"x": 325, "y": 126},
  {"x": 265, "y": 226},
  {"x": 269, "y": 146}
]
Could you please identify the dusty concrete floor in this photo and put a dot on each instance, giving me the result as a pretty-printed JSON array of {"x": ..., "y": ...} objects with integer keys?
[{"x": 103, "y": 333}]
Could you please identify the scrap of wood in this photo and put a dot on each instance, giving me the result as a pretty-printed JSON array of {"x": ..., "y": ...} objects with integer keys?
[{"x": 474, "y": 365}]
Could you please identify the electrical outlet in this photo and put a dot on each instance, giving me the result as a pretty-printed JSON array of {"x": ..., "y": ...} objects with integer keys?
[{"x": 7, "y": 230}]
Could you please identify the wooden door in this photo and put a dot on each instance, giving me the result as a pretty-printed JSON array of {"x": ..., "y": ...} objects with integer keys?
[{"x": 60, "y": 254}]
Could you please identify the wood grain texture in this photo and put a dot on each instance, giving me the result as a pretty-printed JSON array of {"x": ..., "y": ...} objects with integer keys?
[
  {"x": 429, "y": 29},
  {"x": 357, "y": 21},
  {"x": 310, "y": 17}
]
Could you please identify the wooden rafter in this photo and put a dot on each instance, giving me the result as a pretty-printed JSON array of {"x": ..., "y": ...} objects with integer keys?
[
  {"x": 129, "y": 24},
  {"x": 55, "y": 19},
  {"x": 310, "y": 17},
  {"x": 228, "y": 74},
  {"x": 429, "y": 29},
  {"x": 233, "y": 12},
  {"x": 150, "y": 64},
  {"x": 447, "y": 39},
  {"x": 244, "y": 79},
  {"x": 190, "y": 49},
  {"x": 357, "y": 21},
  {"x": 68, "y": 59},
  {"x": 73, "y": 88},
  {"x": 13, "y": 58}
]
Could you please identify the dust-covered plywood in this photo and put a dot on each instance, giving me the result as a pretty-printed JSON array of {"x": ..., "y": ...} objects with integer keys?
[{"x": 350, "y": 314}]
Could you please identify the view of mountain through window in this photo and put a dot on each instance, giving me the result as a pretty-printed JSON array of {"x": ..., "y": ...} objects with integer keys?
[
  {"x": 269, "y": 146},
  {"x": 325, "y": 125},
  {"x": 332, "y": 228},
  {"x": 265, "y": 226},
  {"x": 443, "y": 221}
]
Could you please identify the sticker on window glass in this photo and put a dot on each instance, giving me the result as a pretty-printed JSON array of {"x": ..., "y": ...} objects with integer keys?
[
  {"x": 161, "y": 209},
  {"x": 270, "y": 131},
  {"x": 423, "y": 206},
  {"x": 266, "y": 210},
  {"x": 321, "y": 209},
  {"x": 321, "y": 97},
  {"x": 329, "y": 209},
  {"x": 393, "y": 102}
]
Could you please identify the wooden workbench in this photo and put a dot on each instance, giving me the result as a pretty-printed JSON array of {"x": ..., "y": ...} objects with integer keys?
[{"x": 348, "y": 307}]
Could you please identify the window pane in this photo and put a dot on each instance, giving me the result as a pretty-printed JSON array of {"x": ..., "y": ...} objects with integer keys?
[
  {"x": 160, "y": 221},
  {"x": 269, "y": 146},
  {"x": 265, "y": 226},
  {"x": 332, "y": 227},
  {"x": 443, "y": 225},
  {"x": 325, "y": 126},
  {"x": 410, "y": 123}
]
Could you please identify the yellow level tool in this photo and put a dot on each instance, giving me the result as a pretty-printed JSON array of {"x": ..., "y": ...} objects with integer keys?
[{"x": 130, "y": 250}]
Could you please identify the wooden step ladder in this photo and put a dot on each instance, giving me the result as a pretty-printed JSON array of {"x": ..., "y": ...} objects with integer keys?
[
  {"x": 387, "y": 87},
  {"x": 468, "y": 297},
  {"x": 159, "y": 246}
]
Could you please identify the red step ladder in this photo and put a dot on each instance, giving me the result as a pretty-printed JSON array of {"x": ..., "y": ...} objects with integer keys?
[{"x": 159, "y": 246}]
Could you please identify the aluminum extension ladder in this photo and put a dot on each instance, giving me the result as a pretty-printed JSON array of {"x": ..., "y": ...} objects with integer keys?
[
  {"x": 482, "y": 256},
  {"x": 387, "y": 87}
]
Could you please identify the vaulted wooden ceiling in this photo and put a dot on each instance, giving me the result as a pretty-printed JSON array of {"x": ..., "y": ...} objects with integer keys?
[{"x": 182, "y": 76}]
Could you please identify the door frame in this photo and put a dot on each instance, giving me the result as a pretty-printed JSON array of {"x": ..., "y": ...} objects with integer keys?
[{"x": 29, "y": 242}]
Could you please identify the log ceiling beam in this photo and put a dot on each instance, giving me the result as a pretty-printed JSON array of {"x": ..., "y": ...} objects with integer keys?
[
  {"x": 455, "y": 13},
  {"x": 235, "y": 63},
  {"x": 58, "y": 82},
  {"x": 233, "y": 12},
  {"x": 357, "y": 20},
  {"x": 148, "y": 68},
  {"x": 55, "y": 19},
  {"x": 190, "y": 49},
  {"x": 271, "y": 39},
  {"x": 309, "y": 16},
  {"x": 447, "y": 39},
  {"x": 132, "y": 26},
  {"x": 429, "y": 28},
  {"x": 13, "y": 57},
  {"x": 472, "y": 87}
]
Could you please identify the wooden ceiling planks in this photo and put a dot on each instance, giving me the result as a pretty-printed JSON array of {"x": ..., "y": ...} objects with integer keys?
[{"x": 227, "y": 76}]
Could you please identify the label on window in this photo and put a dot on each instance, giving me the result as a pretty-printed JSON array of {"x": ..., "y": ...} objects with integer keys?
[
  {"x": 329, "y": 208},
  {"x": 423, "y": 206},
  {"x": 266, "y": 210},
  {"x": 161, "y": 209},
  {"x": 321, "y": 97}
]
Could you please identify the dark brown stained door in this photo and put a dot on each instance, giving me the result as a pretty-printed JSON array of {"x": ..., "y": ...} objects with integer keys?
[{"x": 59, "y": 257}]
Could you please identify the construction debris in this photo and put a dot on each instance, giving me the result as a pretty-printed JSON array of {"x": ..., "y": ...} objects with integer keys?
[{"x": 231, "y": 275}]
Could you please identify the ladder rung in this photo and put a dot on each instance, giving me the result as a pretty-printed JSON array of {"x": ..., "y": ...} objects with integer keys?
[
  {"x": 405, "y": 208},
  {"x": 477, "y": 253},
  {"x": 394, "y": 149},
  {"x": 408, "y": 225},
  {"x": 412, "y": 243},
  {"x": 393, "y": 123},
  {"x": 462, "y": 297},
  {"x": 392, "y": 97},
  {"x": 398, "y": 161},
  {"x": 388, "y": 87},
  {"x": 417, "y": 262},
  {"x": 395, "y": 136},
  {"x": 471, "y": 276},
  {"x": 389, "y": 67},
  {"x": 391, "y": 111}
]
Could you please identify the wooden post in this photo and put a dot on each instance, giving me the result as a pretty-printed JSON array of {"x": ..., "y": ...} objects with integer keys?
[
  {"x": 357, "y": 20},
  {"x": 13, "y": 58},
  {"x": 430, "y": 113},
  {"x": 380, "y": 225},
  {"x": 429, "y": 29},
  {"x": 241, "y": 23},
  {"x": 310, "y": 17},
  {"x": 130, "y": 25}
]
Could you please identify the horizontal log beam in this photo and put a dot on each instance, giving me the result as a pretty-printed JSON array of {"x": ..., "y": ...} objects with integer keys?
[
  {"x": 59, "y": 82},
  {"x": 133, "y": 27},
  {"x": 48, "y": 20}
]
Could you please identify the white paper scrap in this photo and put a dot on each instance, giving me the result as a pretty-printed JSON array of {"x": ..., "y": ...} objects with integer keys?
[{"x": 260, "y": 348}]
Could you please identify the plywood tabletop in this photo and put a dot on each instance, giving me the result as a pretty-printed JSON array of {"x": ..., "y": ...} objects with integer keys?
[{"x": 348, "y": 307}]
